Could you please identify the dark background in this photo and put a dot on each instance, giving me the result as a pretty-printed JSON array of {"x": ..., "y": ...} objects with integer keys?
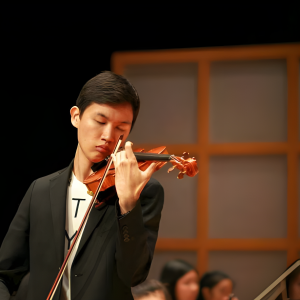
[{"x": 49, "y": 51}]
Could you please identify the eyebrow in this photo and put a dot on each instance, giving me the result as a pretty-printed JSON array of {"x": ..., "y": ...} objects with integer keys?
[{"x": 104, "y": 116}]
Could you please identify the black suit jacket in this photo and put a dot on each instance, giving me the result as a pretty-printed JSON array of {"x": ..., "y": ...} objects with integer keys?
[{"x": 106, "y": 264}]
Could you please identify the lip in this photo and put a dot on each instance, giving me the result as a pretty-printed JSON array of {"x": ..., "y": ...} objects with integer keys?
[{"x": 102, "y": 148}]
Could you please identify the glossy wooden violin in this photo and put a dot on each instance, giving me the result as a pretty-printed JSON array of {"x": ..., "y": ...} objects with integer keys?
[
  {"x": 103, "y": 178},
  {"x": 160, "y": 155}
]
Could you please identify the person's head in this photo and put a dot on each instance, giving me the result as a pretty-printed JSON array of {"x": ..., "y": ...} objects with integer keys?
[
  {"x": 293, "y": 284},
  {"x": 215, "y": 286},
  {"x": 150, "y": 290},
  {"x": 181, "y": 279},
  {"x": 106, "y": 108}
]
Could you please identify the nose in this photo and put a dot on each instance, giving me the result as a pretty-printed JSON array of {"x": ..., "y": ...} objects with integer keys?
[{"x": 108, "y": 134}]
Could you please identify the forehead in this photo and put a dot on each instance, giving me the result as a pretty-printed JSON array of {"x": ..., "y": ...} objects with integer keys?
[
  {"x": 190, "y": 275},
  {"x": 156, "y": 295},
  {"x": 224, "y": 283},
  {"x": 120, "y": 112}
]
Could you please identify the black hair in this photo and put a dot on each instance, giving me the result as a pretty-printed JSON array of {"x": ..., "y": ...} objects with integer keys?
[
  {"x": 108, "y": 88},
  {"x": 290, "y": 278},
  {"x": 148, "y": 287},
  {"x": 172, "y": 271},
  {"x": 211, "y": 279}
]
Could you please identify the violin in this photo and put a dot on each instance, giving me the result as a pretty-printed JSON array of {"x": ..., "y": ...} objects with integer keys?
[
  {"x": 103, "y": 179},
  {"x": 185, "y": 164}
]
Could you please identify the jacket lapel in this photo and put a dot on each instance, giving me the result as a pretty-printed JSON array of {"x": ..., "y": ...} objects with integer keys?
[
  {"x": 94, "y": 218},
  {"x": 58, "y": 194},
  {"x": 107, "y": 219}
]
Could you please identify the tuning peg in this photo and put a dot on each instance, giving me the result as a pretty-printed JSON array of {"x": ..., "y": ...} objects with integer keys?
[{"x": 185, "y": 155}]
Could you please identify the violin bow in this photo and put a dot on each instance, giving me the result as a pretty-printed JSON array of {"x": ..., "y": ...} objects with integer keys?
[{"x": 83, "y": 222}]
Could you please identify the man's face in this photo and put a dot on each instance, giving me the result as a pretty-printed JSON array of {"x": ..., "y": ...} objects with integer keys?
[{"x": 99, "y": 128}]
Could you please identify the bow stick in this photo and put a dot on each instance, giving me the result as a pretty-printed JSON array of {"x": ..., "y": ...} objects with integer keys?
[{"x": 83, "y": 222}]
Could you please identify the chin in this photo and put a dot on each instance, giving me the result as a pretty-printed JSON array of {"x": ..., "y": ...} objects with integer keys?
[{"x": 97, "y": 158}]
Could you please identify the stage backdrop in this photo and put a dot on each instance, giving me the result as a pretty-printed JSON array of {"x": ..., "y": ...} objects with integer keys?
[{"x": 237, "y": 111}]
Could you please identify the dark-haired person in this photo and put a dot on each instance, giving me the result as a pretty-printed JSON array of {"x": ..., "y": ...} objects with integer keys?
[
  {"x": 116, "y": 248},
  {"x": 181, "y": 279},
  {"x": 293, "y": 284},
  {"x": 150, "y": 289},
  {"x": 216, "y": 286}
]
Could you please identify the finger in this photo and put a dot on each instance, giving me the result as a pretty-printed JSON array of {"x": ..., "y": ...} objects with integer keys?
[
  {"x": 123, "y": 155},
  {"x": 151, "y": 169},
  {"x": 114, "y": 159},
  {"x": 118, "y": 156},
  {"x": 128, "y": 150},
  {"x": 160, "y": 165}
]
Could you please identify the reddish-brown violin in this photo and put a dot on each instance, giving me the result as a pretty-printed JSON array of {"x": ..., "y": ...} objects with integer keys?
[
  {"x": 103, "y": 178},
  {"x": 160, "y": 155}
]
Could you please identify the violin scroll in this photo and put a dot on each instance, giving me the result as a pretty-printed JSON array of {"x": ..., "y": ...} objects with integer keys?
[{"x": 185, "y": 164}]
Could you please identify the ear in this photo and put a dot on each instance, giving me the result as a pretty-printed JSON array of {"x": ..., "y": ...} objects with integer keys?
[
  {"x": 206, "y": 293},
  {"x": 75, "y": 120}
]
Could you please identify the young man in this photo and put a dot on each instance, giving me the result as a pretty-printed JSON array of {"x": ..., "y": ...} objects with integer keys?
[{"x": 116, "y": 248}]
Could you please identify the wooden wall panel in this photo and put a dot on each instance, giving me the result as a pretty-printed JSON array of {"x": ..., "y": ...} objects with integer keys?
[{"x": 202, "y": 244}]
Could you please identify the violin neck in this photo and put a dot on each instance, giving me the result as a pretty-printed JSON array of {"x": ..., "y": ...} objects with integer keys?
[{"x": 140, "y": 156}]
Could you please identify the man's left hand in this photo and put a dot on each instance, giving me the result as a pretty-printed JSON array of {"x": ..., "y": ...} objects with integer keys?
[{"x": 129, "y": 179}]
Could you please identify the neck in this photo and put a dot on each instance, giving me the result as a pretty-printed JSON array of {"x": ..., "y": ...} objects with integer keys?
[{"x": 82, "y": 166}]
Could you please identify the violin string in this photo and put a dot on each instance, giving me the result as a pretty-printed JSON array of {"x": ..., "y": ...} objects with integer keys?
[{"x": 174, "y": 158}]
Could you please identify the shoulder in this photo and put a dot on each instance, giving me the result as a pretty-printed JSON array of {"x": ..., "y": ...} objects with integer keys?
[
  {"x": 51, "y": 176},
  {"x": 45, "y": 180},
  {"x": 152, "y": 188},
  {"x": 152, "y": 195},
  {"x": 152, "y": 201}
]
